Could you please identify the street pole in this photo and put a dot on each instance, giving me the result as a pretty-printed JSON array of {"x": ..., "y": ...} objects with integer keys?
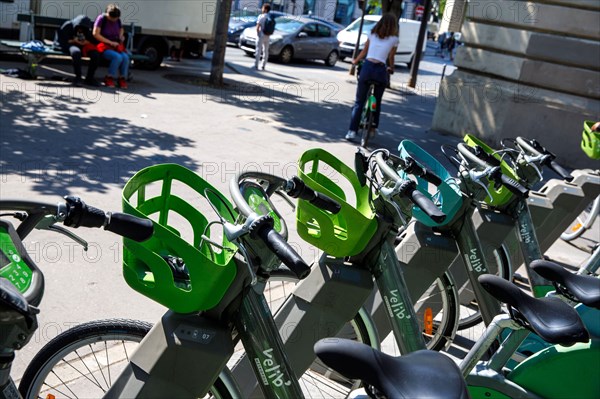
[
  {"x": 360, "y": 29},
  {"x": 414, "y": 68}
]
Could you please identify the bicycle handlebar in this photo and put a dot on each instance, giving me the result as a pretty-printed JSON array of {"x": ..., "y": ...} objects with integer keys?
[
  {"x": 263, "y": 227},
  {"x": 559, "y": 170},
  {"x": 408, "y": 189},
  {"x": 296, "y": 188},
  {"x": 495, "y": 173},
  {"x": 535, "y": 148},
  {"x": 79, "y": 214}
]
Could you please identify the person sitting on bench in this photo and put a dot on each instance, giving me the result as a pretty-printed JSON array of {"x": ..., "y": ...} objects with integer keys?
[
  {"x": 109, "y": 31},
  {"x": 75, "y": 38}
]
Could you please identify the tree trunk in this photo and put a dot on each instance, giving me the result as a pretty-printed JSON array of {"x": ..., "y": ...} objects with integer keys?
[
  {"x": 393, "y": 6},
  {"x": 218, "y": 58}
]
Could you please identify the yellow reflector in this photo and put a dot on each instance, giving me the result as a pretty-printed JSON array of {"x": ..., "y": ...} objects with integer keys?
[
  {"x": 576, "y": 227},
  {"x": 428, "y": 319}
]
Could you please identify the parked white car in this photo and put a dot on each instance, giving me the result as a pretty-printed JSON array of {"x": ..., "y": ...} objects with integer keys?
[{"x": 408, "y": 34}]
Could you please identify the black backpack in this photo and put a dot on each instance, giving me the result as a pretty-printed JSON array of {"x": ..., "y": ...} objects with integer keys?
[{"x": 269, "y": 25}]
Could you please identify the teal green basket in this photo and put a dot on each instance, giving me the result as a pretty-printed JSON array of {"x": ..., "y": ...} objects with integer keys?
[
  {"x": 211, "y": 271},
  {"x": 446, "y": 196},
  {"x": 499, "y": 196},
  {"x": 346, "y": 233}
]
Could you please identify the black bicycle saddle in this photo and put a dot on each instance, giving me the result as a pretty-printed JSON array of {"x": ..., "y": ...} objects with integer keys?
[
  {"x": 586, "y": 289},
  {"x": 552, "y": 319},
  {"x": 421, "y": 374}
]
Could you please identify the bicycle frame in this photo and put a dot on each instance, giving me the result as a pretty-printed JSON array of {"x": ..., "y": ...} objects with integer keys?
[{"x": 528, "y": 380}]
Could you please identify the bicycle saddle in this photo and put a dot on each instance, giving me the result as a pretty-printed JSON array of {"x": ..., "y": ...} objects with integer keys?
[
  {"x": 552, "y": 319},
  {"x": 586, "y": 289},
  {"x": 421, "y": 374}
]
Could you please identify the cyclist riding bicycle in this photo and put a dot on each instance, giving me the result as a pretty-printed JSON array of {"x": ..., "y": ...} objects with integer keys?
[{"x": 379, "y": 51}]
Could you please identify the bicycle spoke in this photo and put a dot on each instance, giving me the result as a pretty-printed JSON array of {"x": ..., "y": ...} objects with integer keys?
[
  {"x": 97, "y": 383},
  {"x": 125, "y": 350},
  {"x": 107, "y": 364},
  {"x": 64, "y": 384},
  {"x": 99, "y": 365}
]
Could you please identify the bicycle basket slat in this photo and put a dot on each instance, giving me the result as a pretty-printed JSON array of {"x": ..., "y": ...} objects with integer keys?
[
  {"x": 590, "y": 141},
  {"x": 145, "y": 267},
  {"x": 446, "y": 196},
  {"x": 500, "y": 195},
  {"x": 346, "y": 233}
]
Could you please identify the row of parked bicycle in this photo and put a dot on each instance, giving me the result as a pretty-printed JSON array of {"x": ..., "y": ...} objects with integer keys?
[{"x": 248, "y": 317}]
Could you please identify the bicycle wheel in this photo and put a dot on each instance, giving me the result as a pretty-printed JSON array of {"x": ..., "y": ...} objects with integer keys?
[
  {"x": 85, "y": 360},
  {"x": 585, "y": 219},
  {"x": 470, "y": 315}
]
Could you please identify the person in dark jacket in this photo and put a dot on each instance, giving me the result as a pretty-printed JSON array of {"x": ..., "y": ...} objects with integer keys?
[{"x": 75, "y": 38}]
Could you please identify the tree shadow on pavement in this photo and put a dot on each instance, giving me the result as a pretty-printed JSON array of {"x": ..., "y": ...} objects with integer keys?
[{"x": 50, "y": 142}]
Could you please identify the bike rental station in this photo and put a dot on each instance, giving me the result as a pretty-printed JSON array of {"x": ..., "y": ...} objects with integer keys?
[{"x": 412, "y": 252}]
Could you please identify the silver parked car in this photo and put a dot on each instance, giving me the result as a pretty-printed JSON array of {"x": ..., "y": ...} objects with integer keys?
[{"x": 297, "y": 37}]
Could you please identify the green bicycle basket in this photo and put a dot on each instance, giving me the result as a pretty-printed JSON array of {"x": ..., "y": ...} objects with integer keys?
[
  {"x": 590, "y": 141},
  {"x": 348, "y": 232},
  {"x": 446, "y": 196},
  {"x": 501, "y": 195},
  {"x": 145, "y": 268}
]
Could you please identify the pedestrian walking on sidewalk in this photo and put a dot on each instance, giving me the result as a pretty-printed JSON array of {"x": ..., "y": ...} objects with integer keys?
[{"x": 265, "y": 26}]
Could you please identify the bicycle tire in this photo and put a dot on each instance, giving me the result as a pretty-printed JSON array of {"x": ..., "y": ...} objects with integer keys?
[
  {"x": 504, "y": 271},
  {"x": 581, "y": 223},
  {"x": 38, "y": 372},
  {"x": 366, "y": 135}
]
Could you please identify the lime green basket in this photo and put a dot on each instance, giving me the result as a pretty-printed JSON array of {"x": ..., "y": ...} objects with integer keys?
[
  {"x": 500, "y": 196},
  {"x": 144, "y": 266},
  {"x": 590, "y": 141},
  {"x": 348, "y": 232}
]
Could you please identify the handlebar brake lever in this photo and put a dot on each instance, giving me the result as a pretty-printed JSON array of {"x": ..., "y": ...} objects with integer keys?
[
  {"x": 68, "y": 233},
  {"x": 476, "y": 178}
]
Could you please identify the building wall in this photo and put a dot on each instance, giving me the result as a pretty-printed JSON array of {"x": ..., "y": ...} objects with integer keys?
[{"x": 528, "y": 68}]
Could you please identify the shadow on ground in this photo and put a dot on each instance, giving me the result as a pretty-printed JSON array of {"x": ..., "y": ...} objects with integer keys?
[{"x": 69, "y": 149}]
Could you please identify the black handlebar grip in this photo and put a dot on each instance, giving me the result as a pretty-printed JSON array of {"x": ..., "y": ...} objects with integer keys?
[
  {"x": 514, "y": 186},
  {"x": 420, "y": 200},
  {"x": 130, "y": 226},
  {"x": 81, "y": 215},
  {"x": 413, "y": 167},
  {"x": 559, "y": 170},
  {"x": 324, "y": 202},
  {"x": 284, "y": 251},
  {"x": 320, "y": 200},
  {"x": 431, "y": 177}
]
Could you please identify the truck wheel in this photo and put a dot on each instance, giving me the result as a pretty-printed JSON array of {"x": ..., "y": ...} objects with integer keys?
[
  {"x": 286, "y": 55},
  {"x": 155, "y": 53}
]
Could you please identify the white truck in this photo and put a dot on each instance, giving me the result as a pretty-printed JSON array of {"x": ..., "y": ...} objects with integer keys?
[
  {"x": 408, "y": 34},
  {"x": 159, "y": 24}
]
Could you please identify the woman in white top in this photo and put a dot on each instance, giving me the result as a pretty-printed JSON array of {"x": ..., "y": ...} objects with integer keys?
[{"x": 379, "y": 52}]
